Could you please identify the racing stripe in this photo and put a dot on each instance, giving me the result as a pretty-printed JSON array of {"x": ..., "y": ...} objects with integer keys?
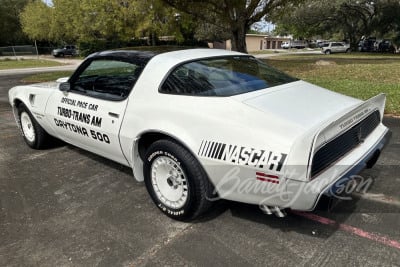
[
  {"x": 207, "y": 148},
  {"x": 204, "y": 148},
  {"x": 217, "y": 149},
  {"x": 211, "y": 149},
  {"x": 201, "y": 146},
  {"x": 221, "y": 151}
]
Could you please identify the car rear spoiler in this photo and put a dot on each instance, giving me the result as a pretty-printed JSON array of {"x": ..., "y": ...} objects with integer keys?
[{"x": 345, "y": 122}]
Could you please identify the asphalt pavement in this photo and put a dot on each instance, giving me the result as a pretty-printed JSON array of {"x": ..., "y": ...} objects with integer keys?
[{"x": 66, "y": 207}]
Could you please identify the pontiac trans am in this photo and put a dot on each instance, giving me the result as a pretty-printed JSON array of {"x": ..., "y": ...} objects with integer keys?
[{"x": 203, "y": 124}]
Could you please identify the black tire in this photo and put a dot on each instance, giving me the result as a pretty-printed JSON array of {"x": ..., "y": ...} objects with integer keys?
[
  {"x": 327, "y": 52},
  {"x": 348, "y": 50},
  {"x": 199, "y": 189},
  {"x": 40, "y": 138}
]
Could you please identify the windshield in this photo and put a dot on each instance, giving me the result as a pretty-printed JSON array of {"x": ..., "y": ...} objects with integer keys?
[{"x": 223, "y": 76}]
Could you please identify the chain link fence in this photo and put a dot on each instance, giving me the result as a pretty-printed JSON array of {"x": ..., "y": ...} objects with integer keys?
[
  {"x": 25, "y": 50},
  {"x": 19, "y": 50}
]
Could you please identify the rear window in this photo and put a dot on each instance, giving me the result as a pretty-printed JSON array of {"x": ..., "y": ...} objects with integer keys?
[{"x": 223, "y": 76}]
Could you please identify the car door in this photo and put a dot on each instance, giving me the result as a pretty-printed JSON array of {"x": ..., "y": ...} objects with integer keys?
[
  {"x": 340, "y": 47},
  {"x": 90, "y": 113},
  {"x": 67, "y": 50}
]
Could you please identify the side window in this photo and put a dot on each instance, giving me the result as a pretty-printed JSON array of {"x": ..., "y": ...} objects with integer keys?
[{"x": 107, "y": 79}]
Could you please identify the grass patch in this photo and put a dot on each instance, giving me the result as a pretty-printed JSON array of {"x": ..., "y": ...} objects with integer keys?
[
  {"x": 269, "y": 51},
  {"x": 358, "y": 75},
  {"x": 46, "y": 77},
  {"x": 26, "y": 63}
]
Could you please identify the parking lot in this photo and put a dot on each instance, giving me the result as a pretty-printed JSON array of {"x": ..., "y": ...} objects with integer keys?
[{"x": 67, "y": 207}]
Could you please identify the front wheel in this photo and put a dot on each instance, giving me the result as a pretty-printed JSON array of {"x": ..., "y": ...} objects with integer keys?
[
  {"x": 34, "y": 135},
  {"x": 327, "y": 52},
  {"x": 176, "y": 181}
]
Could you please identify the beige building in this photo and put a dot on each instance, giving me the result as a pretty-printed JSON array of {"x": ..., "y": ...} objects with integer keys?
[{"x": 254, "y": 42}]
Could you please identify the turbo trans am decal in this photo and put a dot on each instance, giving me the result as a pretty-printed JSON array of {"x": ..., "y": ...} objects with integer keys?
[{"x": 241, "y": 155}]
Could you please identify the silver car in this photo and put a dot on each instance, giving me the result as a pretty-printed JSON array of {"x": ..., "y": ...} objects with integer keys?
[{"x": 335, "y": 47}]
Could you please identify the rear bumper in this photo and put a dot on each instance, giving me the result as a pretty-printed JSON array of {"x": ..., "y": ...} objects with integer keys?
[
  {"x": 305, "y": 195},
  {"x": 368, "y": 161}
]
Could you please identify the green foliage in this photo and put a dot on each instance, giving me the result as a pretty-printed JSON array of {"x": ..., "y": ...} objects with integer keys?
[
  {"x": 35, "y": 20},
  {"x": 10, "y": 28},
  {"x": 104, "y": 24},
  {"x": 232, "y": 17},
  {"x": 90, "y": 46},
  {"x": 341, "y": 19}
]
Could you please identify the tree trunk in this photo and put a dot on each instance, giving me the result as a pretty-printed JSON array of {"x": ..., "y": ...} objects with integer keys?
[{"x": 238, "y": 38}]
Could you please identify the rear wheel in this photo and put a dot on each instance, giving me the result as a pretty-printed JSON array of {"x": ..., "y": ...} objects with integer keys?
[
  {"x": 34, "y": 135},
  {"x": 175, "y": 180}
]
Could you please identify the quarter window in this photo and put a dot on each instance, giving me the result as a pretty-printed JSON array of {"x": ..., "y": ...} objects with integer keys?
[{"x": 223, "y": 76}]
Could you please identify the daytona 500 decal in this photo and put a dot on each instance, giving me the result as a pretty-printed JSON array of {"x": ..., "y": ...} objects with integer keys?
[{"x": 242, "y": 155}]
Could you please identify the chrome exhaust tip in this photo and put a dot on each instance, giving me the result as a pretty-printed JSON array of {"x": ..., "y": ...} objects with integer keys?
[
  {"x": 273, "y": 210},
  {"x": 278, "y": 212},
  {"x": 265, "y": 209}
]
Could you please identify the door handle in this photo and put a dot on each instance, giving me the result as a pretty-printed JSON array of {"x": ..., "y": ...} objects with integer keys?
[{"x": 112, "y": 114}]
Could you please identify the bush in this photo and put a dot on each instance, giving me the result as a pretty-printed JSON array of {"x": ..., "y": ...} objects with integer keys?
[
  {"x": 88, "y": 47},
  {"x": 91, "y": 46}
]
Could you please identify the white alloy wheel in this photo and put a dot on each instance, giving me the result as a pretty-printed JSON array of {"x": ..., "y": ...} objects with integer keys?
[
  {"x": 27, "y": 127},
  {"x": 169, "y": 182}
]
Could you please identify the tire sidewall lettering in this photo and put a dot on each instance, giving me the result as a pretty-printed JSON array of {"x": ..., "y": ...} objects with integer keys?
[
  {"x": 161, "y": 206},
  {"x": 169, "y": 211},
  {"x": 162, "y": 153}
]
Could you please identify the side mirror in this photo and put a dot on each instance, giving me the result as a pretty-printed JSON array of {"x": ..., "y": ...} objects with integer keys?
[{"x": 65, "y": 87}]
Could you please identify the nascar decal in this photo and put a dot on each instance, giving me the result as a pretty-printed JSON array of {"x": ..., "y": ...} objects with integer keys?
[{"x": 241, "y": 155}]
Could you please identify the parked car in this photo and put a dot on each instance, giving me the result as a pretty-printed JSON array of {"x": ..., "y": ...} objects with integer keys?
[
  {"x": 335, "y": 47},
  {"x": 201, "y": 124},
  {"x": 386, "y": 46},
  {"x": 294, "y": 44},
  {"x": 367, "y": 44},
  {"x": 285, "y": 45},
  {"x": 68, "y": 50}
]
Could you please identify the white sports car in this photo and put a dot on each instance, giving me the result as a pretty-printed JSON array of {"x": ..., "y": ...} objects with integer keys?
[{"x": 201, "y": 124}]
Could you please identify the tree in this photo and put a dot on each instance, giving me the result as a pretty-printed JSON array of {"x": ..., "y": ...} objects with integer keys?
[
  {"x": 234, "y": 16},
  {"x": 350, "y": 19},
  {"x": 36, "y": 18},
  {"x": 388, "y": 22},
  {"x": 117, "y": 21},
  {"x": 155, "y": 19},
  {"x": 10, "y": 27}
]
